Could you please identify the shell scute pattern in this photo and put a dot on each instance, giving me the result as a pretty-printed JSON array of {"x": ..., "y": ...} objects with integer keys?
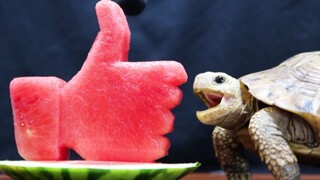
[
  {"x": 294, "y": 85},
  {"x": 308, "y": 91},
  {"x": 298, "y": 76},
  {"x": 307, "y": 68}
]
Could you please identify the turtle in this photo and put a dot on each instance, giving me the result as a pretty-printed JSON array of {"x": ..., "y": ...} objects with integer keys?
[{"x": 274, "y": 113}]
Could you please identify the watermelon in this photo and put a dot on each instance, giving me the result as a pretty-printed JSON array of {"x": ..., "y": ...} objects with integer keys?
[
  {"x": 94, "y": 170},
  {"x": 111, "y": 110}
]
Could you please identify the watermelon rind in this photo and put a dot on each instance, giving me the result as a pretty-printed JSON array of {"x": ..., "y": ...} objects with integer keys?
[{"x": 94, "y": 170}]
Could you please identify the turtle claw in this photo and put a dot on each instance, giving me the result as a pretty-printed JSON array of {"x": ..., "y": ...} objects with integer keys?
[{"x": 291, "y": 172}]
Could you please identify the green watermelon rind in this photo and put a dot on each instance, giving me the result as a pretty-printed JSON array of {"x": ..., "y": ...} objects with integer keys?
[{"x": 23, "y": 170}]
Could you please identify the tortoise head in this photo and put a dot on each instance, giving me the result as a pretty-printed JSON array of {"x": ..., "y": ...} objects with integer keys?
[{"x": 227, "y": 100}]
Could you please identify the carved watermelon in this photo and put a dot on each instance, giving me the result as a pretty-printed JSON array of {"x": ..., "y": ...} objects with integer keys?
[{"x": 111, "y": 110}]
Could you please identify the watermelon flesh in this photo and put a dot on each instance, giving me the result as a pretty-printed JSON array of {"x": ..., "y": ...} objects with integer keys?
[
  {"x": 36, "y": 129},
  {"x": 111, "y": 110}
]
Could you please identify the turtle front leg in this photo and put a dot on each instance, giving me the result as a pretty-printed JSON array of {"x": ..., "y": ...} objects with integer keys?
[
  {"x": 228, "y": 151},
  {"x": 268, "y": 131}
]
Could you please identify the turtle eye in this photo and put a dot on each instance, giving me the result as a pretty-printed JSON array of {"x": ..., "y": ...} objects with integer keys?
[{"x": 219, "y": 79}]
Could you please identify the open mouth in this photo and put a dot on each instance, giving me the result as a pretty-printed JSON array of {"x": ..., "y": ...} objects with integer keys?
[{"x": 210, "y": 98}]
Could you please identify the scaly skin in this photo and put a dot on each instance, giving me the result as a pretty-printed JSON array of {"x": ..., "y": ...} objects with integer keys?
[
  {"x": 272, "y": 144},
  {"x": 228, "y": 151}
]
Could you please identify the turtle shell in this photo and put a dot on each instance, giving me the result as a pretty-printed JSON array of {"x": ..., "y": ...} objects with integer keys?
[{"x": 294, "y": 86}]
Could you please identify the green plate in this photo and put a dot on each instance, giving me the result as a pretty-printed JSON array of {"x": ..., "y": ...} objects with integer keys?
[{"x": 94, "y": 170}]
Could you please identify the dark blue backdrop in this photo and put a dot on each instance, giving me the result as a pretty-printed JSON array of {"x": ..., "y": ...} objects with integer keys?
[{"x": 44, "y": 37}]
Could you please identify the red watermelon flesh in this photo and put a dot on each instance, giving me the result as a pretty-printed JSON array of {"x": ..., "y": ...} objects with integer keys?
[
  {"x": 36, "y": 109},
  {"x": 111, "y": 110}
]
